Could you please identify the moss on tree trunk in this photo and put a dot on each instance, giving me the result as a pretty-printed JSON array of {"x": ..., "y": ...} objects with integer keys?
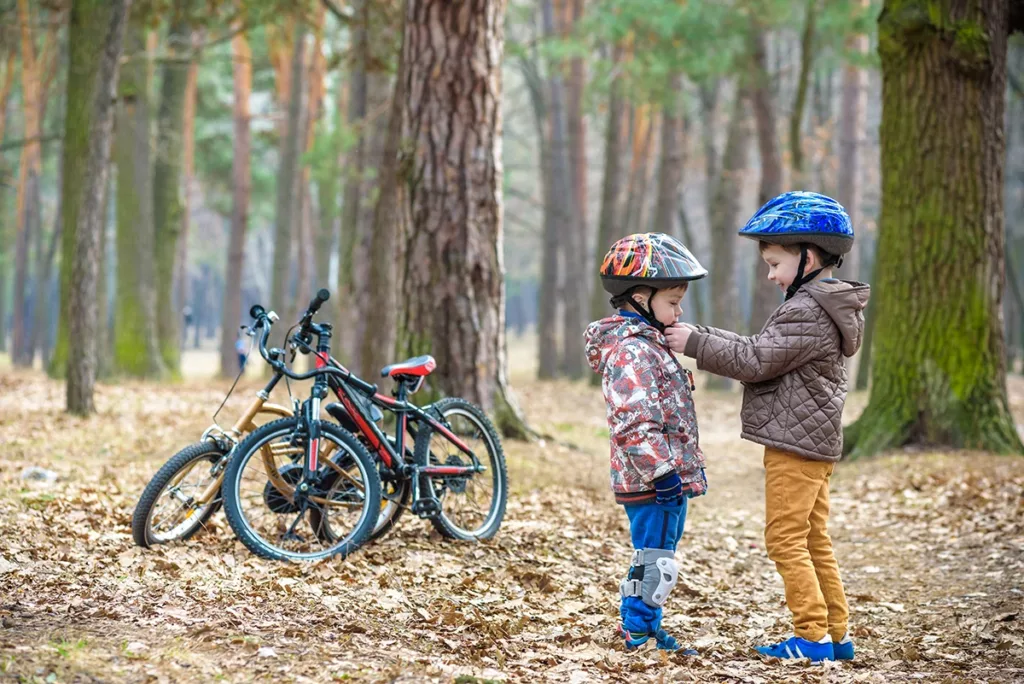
[
  {"x": 167, "y": 191},
  {"x": 938, "y": 375},
  {"x": 136, "y": 350}
]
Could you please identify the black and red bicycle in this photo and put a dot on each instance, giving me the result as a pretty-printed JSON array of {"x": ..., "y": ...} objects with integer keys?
[{"x": 294, "y": 487}]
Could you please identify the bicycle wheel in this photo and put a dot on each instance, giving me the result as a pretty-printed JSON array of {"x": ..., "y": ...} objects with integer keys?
[
  {"x": 395, "y": 495},
  {"x": 272, "y": 522},
  {"x": 167, "y": 510},
  {"x": 473, "y": 506}
]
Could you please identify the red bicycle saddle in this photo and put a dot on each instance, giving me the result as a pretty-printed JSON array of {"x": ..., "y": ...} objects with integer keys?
[{"x": 418, "y": 366}]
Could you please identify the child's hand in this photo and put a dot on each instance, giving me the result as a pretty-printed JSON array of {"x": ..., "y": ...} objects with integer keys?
[
  {"x": 668, "y": 489},
  {"x": 677, "y": 334}
]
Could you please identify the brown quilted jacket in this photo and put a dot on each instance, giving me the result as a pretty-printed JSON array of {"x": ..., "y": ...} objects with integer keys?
[{"x": 793, "y": 373}]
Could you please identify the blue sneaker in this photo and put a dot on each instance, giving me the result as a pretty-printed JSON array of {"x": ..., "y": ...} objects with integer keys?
[
  {"x": 795, "y": 647},
  {"x": 663, "y": 640},
  {"x": 843, "y": 649}
]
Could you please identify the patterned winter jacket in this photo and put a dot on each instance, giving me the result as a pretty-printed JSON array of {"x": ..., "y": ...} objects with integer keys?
[{"x": 651, "y": 415}]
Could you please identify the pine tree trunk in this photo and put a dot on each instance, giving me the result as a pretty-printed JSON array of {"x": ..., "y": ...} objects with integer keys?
[
  {"x": 765, "y": 298},
  {"x": 390, "y": 218},
  {"x": 29, "y": 172},
  {"x": 796, "y": 150},
  {"x": 104, "y": 329},
  {"x": 608, "y": 223},
  {"x": 136, "y": 343},
  {"x": 547, "y": 305},
  {"x": 5, "y": 90},
  {"x": 724, "y": 217},
  {"x": 350, "y": 238},
  {"x": 577, "y": 280},
  {"x": 641, "y": 223},
  {"x": 708, "y": 105},
  {"x": 167, "y": 192},
  {"x": 188, "y": 182},
  {"x": 453, "y": 284},
  {"x": 670, "y": 162},
  {"x": 939, "y": 376},
  {"x": 96, "y": 35},
  {"x": 643, "y": 131},
  {"x": 281, "y": 291},
  {"x": 852, "y": 122},
  {"x": 44, "y": 272},
  {"x": 563, "y": 206},
  {"x": 241, "y": 183}
]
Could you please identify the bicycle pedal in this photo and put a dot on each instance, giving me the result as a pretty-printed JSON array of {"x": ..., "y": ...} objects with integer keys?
[{"x": 427, "y": 508}]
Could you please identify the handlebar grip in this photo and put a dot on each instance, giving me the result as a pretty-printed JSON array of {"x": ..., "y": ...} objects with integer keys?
[
  {"x": 256, "y": 311},
  {"x": 321, "y": 296}
]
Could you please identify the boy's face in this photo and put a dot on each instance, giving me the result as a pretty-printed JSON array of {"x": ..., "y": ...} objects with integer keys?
[
  {"x": 783, "y": 265},
  {"x": 667, "y": 305}
]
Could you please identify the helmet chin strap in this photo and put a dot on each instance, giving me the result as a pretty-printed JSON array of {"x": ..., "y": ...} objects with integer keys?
[
  {"x": 801, "y": 279},
  {"x": 647, "y": 311}
]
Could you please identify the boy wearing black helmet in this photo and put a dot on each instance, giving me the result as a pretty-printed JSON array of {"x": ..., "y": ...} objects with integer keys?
[
  {"x": 656, "y": 462},
  {"x": 795, "y": 384}
]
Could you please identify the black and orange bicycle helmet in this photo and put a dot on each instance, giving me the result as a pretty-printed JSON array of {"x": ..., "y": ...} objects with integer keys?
[{"x": 654, "y": 260}]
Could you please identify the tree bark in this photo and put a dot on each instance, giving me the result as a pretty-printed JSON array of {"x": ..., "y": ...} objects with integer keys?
[
  {"x": 104, "y": 329},
  {"x": 390, "y": 217},
  {"x": 95, "y": 43},
  {"x": 350, "y": 237},
  {"x": 563, "y": 205},
  {"x": 5, "y": 90},
  {"x": 167, "y": 191},
  {"x": 281, "y": 296},
  {"x": 136, "y": 341},
  {"x": 608, "y": 223},
  {"x": 724, "y": 217},
  {"x": 636, "y": 192},
  {"x": 241, "y": 183},
  {"x": 307, "y": 220},
  {"x": 852, "y": 122},
  {"x": 938, "y": 375},
  {"x": 577, "y": 280},
  {"x": 670, "y": 162},
  {"x": 796, "y": 150},
  {"x": 708, "y": 105},
  {"x": 765, "y": 298},
  {"x": 188, "y": 182},
  {"x": 28, "y": 198},
  {"x": 453, "y": 283},
  {"x": 547, "y": 305}
]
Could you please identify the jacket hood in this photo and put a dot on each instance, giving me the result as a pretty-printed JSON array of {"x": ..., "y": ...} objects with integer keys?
[
  {"x": 844, "y": 302},
  {"x": 603, "y": 336}
]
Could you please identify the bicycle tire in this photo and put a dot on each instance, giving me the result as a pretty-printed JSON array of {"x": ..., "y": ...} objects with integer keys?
[
  {"x": 441, "y": 522},
  {"x": 278, "y": 428},
  {"x": 150, "y": 495}
]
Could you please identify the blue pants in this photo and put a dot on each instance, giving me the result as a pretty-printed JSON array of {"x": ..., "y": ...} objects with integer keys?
[{"x": 651, "y": 526}]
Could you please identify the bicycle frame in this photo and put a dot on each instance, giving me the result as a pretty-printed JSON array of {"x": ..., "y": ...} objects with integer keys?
[
  {"x": 391, "y": 456},
  {"x": 243, "y": 425}
]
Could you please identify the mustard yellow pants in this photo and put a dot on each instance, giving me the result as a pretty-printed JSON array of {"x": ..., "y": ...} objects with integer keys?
[{"x": 796, "y": 537}]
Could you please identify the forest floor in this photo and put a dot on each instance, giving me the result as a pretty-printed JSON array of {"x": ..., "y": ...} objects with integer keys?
[{"x": 931, "y": 546}]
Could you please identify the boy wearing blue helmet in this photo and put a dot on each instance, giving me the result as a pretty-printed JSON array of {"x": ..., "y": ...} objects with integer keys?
[{"x": 795, "y": 387}]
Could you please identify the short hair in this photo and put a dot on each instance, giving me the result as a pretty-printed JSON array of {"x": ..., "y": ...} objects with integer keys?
[{"x": 824, "y": 258}]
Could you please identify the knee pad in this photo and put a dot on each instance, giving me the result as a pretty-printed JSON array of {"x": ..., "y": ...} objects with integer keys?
[{"x": 652, "y": 576}]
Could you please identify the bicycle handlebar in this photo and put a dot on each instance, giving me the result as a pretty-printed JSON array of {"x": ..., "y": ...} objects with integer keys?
[{"x": 265, "y": 320}]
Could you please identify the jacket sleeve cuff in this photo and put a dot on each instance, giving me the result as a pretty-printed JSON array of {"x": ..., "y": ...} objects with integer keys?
[
  {"x": 691, "y": 344},
  {"x": 663, "y": 470}
]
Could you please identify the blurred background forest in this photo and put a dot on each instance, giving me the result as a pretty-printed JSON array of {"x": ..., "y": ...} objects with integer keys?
[{"x": 251, "y": 139}]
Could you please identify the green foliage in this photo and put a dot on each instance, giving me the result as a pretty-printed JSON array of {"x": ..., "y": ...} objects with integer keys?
[{"x": 214, "y": 141}]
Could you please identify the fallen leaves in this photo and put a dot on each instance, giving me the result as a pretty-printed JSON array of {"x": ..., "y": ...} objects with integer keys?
[{"x": 931, "y": 547}]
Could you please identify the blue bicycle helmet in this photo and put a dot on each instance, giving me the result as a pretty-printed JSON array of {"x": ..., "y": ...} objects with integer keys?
[{"x": 803, "y": 218}]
